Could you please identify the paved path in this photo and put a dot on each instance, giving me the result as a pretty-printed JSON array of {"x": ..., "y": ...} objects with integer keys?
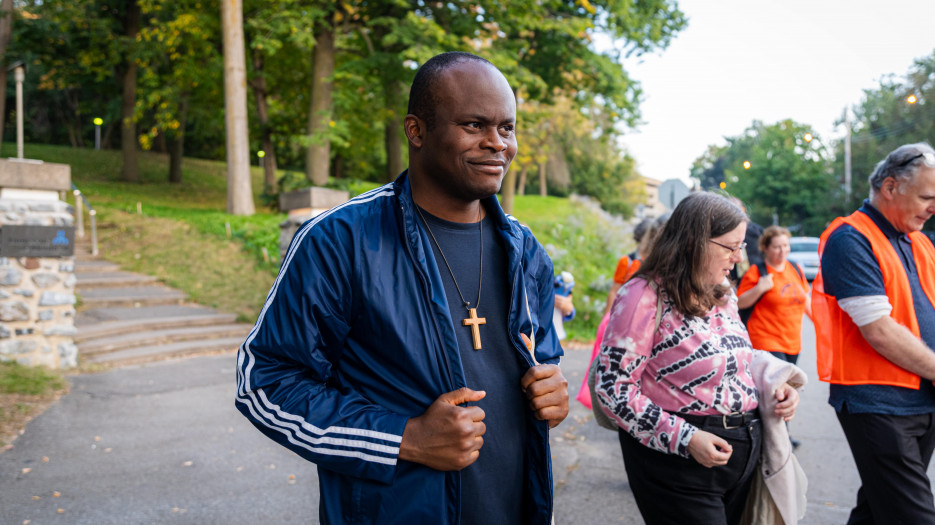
[{"x": 163, "y": 443}]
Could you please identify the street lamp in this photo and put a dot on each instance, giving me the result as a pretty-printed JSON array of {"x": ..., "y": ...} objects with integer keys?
[{"x": 97, "y": 132}]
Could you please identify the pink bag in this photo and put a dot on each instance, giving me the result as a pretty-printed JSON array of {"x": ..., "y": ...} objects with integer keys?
[{"x": 584, "y": 395}]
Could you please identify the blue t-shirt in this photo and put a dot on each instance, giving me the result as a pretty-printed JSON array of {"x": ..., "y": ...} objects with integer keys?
[
  {"x": 850, "y": 269},
  {"x": 491, "y": 487}
]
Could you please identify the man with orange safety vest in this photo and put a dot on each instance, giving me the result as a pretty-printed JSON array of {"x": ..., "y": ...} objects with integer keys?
[{"x": 872, "y": 305}]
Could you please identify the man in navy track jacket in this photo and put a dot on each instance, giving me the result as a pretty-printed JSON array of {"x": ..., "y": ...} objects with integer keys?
[{"x": 406, "y": 346}]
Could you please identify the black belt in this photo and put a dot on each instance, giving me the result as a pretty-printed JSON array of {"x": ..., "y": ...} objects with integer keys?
[{"x": 726, "y": 421}]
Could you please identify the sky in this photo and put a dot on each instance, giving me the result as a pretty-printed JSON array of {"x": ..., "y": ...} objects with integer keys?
[{"x": 744, "y": 60}]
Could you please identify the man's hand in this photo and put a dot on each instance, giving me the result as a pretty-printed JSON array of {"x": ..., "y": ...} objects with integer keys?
[
  {"x": 547, "y": 391},
  {"x": 447, "y": 436},
  {"x": 788, "y": 398},
  {"x": 708, "y": 449}
]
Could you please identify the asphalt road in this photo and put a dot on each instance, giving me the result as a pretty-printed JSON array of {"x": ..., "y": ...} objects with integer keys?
[{"x": 163, "y": 443}]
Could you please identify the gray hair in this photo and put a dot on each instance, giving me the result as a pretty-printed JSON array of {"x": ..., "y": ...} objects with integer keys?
[{"x": 903, "y": 163}]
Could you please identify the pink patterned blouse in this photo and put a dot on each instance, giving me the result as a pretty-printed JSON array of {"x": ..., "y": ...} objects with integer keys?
[{"x": 692, "y": 365}]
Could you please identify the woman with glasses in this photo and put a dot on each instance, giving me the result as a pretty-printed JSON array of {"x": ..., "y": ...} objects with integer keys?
[{"x": 674, "y": 372}]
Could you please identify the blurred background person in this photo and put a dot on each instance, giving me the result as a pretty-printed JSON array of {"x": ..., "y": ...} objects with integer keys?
[
  {"x": 683, "y": 395},
  {"x": 775, "y": 295},
  {"x": 778, "y": 298},
  {"x": 751, "y": 239},
  {"x": 628, "y": 264},
  {"x": 564, "y": 310}
]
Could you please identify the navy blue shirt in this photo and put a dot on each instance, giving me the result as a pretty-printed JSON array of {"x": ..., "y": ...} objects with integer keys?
[
  {"x": 850, "y": 269},
  {"x": 492, "y": 487}
]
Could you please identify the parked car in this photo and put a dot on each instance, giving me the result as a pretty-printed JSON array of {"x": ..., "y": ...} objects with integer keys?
[{"x": 804, "y": 251}]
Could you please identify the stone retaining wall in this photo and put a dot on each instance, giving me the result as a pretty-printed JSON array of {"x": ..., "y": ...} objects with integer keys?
[{"x": 37, "y": 294}]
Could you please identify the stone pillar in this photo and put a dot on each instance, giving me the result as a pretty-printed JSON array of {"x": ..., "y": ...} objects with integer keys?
[
  {"x": 302, "y": 205},
  {"x": 37, "y": 265}
]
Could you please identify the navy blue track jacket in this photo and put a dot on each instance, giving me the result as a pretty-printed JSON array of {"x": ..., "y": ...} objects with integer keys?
[{"x": 355, "y": 338}]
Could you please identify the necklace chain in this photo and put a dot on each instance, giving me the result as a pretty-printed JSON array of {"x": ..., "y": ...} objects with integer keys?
[{"x": 480, "y": 280}]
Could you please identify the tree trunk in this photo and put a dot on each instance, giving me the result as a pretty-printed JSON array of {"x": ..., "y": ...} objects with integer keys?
[
  {"x": 521, "y": 183},
  {"x": 130, "y": 171},
  {"x": 508, "y": 190},
  {"x": 318, "y": 155},
  {"x": 6, "y": 29},
  {"x": 393, "y": 130},
  {"x": 542, "y": 186},
  {"x": 73, "y": 118},
  {"x": 266, "y": 134},
  {"x": 108, "y": 134},
  {"x": 176, "y": 144},
  {"x": 239, "y": 189}
]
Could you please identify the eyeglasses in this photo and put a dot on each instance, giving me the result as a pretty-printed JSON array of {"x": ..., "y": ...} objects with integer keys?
[
  {"x": 928, "y": 159},
  {"x": 733, "y": 251}
]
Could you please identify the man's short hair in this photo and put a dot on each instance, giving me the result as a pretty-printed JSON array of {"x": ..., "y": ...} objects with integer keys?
[
  {"x": 423, "y": 98},
  {"x": 903, "y": 163}
]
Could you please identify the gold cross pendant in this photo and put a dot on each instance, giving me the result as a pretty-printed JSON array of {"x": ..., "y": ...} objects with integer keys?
[{"x": 474, "y": 322}]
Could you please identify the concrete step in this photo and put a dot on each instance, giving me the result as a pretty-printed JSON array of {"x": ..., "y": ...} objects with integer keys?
[
  {"x": 109, "y": 322},
  {"x": 145, "y": 354},
  {"x": 87, "y": 280},
  {"x": 131, "y": 296},
  {"x": 125, "y": 341},
  {"x": 94, "y": 265}
]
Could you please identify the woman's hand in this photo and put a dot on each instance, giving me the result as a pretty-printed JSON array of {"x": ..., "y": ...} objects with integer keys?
[
  {"x": 788, "y": 398},
  {"x": 765, "y": 283},
  {"x": 708, "y": 449}
]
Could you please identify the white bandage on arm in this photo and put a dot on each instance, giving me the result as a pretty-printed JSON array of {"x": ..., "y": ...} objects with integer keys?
[{"x": 865, "y": 309}]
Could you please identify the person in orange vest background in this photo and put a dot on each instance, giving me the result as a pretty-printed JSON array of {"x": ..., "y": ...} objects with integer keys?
[{"x": 872, "y": 304}]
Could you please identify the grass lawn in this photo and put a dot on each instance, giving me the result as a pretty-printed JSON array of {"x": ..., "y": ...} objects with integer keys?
[{"x": 25, "y": 392}]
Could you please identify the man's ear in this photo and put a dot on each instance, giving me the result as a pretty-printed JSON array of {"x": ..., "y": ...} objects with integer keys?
[
  {"x": 889, "y": 187},
  {"x": 414, "y": 127}
]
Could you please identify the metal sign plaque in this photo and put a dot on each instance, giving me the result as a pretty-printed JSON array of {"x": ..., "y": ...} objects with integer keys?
[{"x": 37, "y": 241}]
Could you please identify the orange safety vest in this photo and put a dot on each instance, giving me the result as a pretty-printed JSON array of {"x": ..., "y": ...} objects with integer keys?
[{"x": 844, "y": 356}]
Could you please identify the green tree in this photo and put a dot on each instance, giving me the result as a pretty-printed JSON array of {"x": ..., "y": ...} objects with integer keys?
[
  {"x": 182, "y": 73},
  {"x": 71, "y": 53},
  {"x": 708, "y": 169},
  {"x": 885, "y": 120},
  {"x": 126, "y": 73},
  {"x": 781, "y": 172}
]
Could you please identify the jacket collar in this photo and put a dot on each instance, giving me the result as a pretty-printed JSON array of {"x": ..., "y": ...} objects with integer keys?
[{"x": 404, "y": 192}]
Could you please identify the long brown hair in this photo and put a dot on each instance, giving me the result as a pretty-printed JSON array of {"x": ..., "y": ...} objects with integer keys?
[{"x": 677, "y": 260}]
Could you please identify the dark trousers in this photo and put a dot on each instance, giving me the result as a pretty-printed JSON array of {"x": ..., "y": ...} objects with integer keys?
[
  {"x": 892, "y": 454},
  {"x": 670, "y": 489}
]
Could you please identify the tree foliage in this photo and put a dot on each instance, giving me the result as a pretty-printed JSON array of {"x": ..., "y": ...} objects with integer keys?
[
  {"x": 574, "y": 99},
  {"x": 885, "y": 120},
  {"x": 781, "y": 175}
]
